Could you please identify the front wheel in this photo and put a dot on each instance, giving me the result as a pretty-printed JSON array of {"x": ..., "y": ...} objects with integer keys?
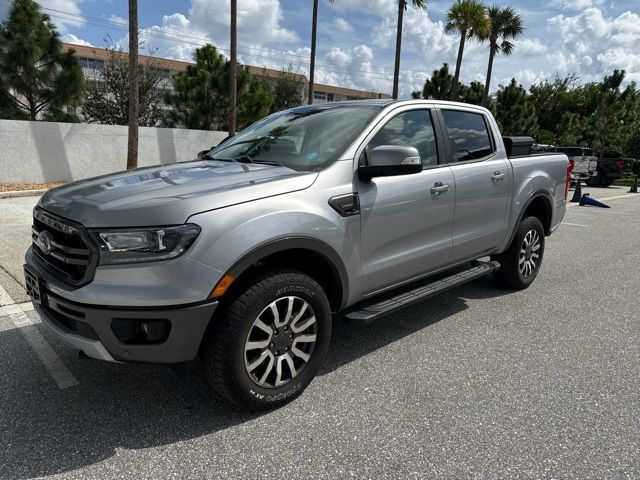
[
  {"x": 520, "y": 263},
  {"x": 269, "y": 340}
]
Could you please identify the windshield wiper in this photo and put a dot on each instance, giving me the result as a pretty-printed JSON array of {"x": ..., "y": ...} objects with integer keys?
[
  {"x": 209, "y": 156},
  {"x": 269, "y": 162},
  {"x": 244, "y": 159}
]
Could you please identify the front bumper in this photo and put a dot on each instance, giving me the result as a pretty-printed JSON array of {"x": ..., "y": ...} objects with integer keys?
[{"x": 90, "y": 329}]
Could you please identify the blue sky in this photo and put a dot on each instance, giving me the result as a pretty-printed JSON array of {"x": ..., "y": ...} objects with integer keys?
[{"x": 357, "y": 37}]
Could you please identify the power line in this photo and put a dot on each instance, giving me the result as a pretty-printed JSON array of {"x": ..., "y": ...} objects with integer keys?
[
  {"x": 381, "y": 74},
  {"x": 171, "y": 34}
]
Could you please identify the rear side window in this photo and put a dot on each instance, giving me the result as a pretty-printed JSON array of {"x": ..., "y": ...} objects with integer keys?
[
  {"x": 468, "y": 134},
  {"x": 410, "y": 129}
]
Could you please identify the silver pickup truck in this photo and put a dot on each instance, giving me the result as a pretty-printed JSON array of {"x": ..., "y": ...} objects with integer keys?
[{"x": 240, "y": 259}]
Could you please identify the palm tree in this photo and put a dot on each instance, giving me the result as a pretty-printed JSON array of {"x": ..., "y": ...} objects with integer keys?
[
  {"x": 468, "y": 17},
  {"x": 312, "y": 62},
  {"x": 504, "y": 24},
  {"x": 134, "y": 95},
  {"x": 233, "y": 80},
  {"x": 402, "y": 5}
]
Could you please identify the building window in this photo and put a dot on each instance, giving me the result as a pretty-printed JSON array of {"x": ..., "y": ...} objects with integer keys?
[
  {"x": 94, "y": 63},
  {"x": 319, "y": 95}
]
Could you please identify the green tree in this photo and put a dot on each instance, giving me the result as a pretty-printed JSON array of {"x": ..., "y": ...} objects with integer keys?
[
  {"x": 550, "y": 98},
  {"x": 402, "y": 6},
  {"x": 287, "y": 90},
  {"x": 35, "y": 75},
  {"x": 107, "y": 100},
  {"x": 504, "y": 25},
  {"x": 513, "y": 111},
  {"x": 609, "y": 126},
  {"x": 201, "y": 94},
  {"x": 472, "y": 93},
  {"x": 469, "y": 19},
  {"x": 438, "y": 87}
]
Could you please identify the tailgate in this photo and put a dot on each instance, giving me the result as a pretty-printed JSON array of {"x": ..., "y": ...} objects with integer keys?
[
  {"x": 626, "y": 169},
  {"x": 581, "y": 164}
]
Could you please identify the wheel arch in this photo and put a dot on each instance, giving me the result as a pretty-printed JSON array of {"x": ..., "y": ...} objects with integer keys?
[
  {"x": 308, "y": 255},
  {"x": 539, "y": 205}
]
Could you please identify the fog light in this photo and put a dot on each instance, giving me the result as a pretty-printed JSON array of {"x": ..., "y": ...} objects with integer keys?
[{"x": 135, "y": 331}]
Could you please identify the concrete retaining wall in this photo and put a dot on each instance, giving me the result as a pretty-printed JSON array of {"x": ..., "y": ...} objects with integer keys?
[{"x": 43, "y": 152}]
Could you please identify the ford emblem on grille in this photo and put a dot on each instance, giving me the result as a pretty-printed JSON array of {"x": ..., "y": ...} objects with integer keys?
[{"x": 43, "y": 241}]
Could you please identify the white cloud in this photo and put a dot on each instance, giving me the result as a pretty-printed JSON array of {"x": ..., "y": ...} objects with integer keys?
[
  {"x": 69, "y": 7},
  {"x": 370, "y": 7},
  {"x": 118, "y": 19},
  {"x": 575, "y": 4},
  {"x": 593, "y": 45},
  {"x": 71, "y": 38},
  {"x": 342, "y": 25},
  {"x": 259, "y": 25},
  {"x": 63, "y": 21},
  {"x": 529, "y": 47}
]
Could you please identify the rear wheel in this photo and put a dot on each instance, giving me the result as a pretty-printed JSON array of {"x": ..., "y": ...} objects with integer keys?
[
  {"x": 521, "y": 262},
  {"x": 269, "y": 340}
]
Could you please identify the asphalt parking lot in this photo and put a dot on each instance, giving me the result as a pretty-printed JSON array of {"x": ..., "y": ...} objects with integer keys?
[{"x": 476, "y": 383}]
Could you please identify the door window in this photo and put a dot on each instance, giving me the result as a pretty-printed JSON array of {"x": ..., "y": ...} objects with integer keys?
[
  {"x": 410, "y": 129},
  {"x": 468, "y": 135}
]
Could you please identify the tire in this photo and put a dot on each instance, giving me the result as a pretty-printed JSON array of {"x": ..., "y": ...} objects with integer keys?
[
  {"x": 601, "y": 179},
  {"x": 249, "y": 353},
  {"x": 515, "y": 274},
  {"x": 592, "y": 181}
]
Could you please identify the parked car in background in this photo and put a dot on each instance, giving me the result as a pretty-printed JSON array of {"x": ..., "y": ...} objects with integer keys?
[
  {"x": 610, "y": 169},
  {"x": 585, "y": 164},
  {"x": 541, "y": 148},
  {"x": 241, "y": 258}
]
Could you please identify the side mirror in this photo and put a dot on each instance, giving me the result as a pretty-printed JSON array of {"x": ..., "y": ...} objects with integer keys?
[{"x": 391, "y": 160}]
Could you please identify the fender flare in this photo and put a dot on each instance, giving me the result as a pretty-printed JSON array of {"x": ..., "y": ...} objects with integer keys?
[
  {"x": 318, "y": 247},
  {"x": 540, "y": 193}
]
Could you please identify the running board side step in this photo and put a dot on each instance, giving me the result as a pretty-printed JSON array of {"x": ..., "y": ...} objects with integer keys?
[{"x": 404, "y": 299}]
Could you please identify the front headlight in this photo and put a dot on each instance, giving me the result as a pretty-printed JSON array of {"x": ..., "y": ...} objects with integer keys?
[{"x": 133, "y": 245}]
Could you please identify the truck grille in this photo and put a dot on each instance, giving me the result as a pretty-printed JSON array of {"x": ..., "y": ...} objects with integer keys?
[{"x": 63, "y": 248}]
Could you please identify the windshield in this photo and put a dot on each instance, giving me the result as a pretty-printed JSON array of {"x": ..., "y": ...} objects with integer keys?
[{"x": 304, "y": 139}]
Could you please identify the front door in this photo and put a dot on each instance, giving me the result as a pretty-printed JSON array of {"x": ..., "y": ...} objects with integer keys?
[{"x": 406, "y": 220}]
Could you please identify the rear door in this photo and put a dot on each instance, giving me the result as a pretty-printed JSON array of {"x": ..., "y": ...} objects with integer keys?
[
  {"x": 483, "y": 178},
  {"x": 406, "y": 220}
]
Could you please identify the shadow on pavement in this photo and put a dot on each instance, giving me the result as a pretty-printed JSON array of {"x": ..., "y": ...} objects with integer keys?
[{"x": 48, "y": 431}]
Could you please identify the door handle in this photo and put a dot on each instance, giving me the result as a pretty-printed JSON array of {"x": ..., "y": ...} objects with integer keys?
[
  {"x": 439, "y": 188},
  {"x": 497, "y": 176}
]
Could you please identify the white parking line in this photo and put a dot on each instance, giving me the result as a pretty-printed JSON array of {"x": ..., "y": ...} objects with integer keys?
[
  {"x": 574, "y": 224},
  {"x": 15, "y": 308},
  {"x": 5, "y": 299},
  {"x": 51, "y": 361}
]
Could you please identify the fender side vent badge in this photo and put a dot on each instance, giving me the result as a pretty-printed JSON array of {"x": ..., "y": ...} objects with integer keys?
[{"x": 346, "y": 205}]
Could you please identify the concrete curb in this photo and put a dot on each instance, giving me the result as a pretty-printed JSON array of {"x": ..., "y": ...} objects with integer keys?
[{"x": 22, "y": 193}]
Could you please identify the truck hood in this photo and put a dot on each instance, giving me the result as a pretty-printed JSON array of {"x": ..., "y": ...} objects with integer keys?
[{"x": 169, "y": 194}]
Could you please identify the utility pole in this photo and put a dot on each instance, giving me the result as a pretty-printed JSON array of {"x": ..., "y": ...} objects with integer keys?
[
  {"x": 312, "y": 62},
  {"x": 234, "y": 68},
  {"x": 134, "y": 94}
]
